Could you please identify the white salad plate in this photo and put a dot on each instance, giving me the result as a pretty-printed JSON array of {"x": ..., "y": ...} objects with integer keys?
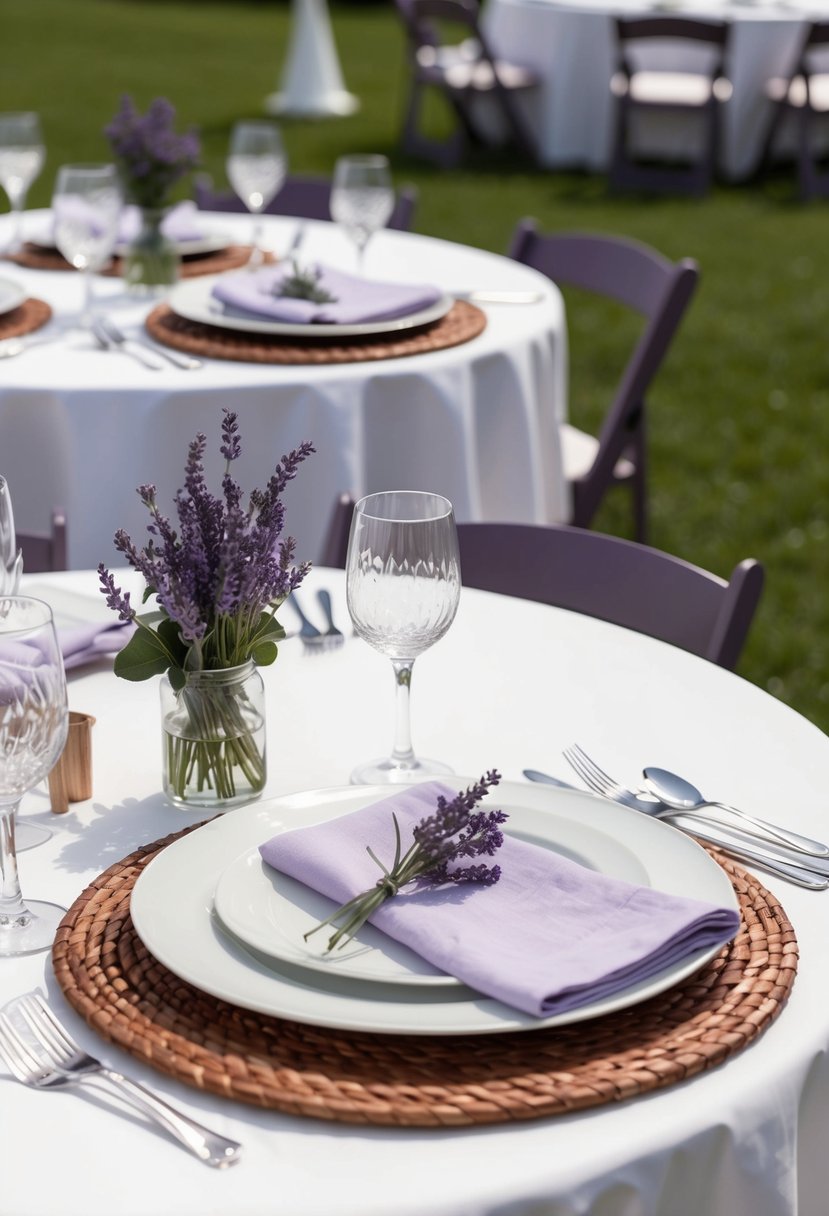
[
  {"x": 12, "y": 295},
  {"x": 193, "y": 300},
  {"x": 174, "y": 914}
]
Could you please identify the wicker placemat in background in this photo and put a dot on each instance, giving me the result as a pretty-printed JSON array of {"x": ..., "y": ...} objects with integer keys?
[
  {"x": 32, "y": 314},
  {"x": 121, "y": 990},
  {"x": 40, "y": 257},
  {"x": 462, "y": 323}
]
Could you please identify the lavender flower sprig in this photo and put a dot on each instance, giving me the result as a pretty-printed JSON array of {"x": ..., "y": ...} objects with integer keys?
[
  {"x": 150, "y": 155},
  {"x": 454, "y": 832}
]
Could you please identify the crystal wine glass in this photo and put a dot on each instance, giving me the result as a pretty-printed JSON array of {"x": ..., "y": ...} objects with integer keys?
[
  {"x": 403, "y": 585},
  {"x": 362, "y": 198},
  {"x": 22, "y": 154},
  {"x": 256, "y": 169},
  {"x": 33, "y": 725},
  {"x": 86, "y": 205}
]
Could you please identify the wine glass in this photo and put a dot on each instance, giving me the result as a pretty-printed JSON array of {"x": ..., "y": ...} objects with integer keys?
[
  {"x": 403, "y": 584},
  {"x": 362, "y": 198},
  {"x": 256, "y": 169},
  {"x": 33, "y": 726},
  {"x": 22, "y": 154},
  {"x": 86, "y": 205}
]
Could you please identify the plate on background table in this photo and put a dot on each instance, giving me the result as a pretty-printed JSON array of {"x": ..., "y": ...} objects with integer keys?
[
  {"x": 193, "y": 300},
  {"x": 173, "y": 911},
  {"x": 203, "y": 245},
  {"x": 12, "y": 295}
]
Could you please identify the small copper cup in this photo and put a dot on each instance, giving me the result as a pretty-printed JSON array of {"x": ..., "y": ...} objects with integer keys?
[{"x": 71, "y": 778}]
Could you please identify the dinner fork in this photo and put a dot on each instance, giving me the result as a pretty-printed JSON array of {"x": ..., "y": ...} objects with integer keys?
[
  {"x": 49, "y": 1058},
  {"x": 313, "y": 639},
  {"x": 186, "y": 362},
  {"x": 764, "y": 855},
  {"x": 332, "y": 633},
  {"x": 106, "y": 343}
]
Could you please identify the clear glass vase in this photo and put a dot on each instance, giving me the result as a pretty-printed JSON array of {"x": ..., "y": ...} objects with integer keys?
[
  {"x": 151, "y": 263},
  {"x": 214, "y": 737}
]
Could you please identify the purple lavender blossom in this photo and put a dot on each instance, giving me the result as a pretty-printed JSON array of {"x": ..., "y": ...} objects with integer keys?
[{"x": 150, "y": 155}]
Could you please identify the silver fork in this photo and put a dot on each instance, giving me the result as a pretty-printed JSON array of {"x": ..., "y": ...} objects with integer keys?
[
  {"x": 332, "y": 633},
  {"x": 49, "y": 1058},
  {"x": 106, "y": 343},
  {"x": 768, "y": 856},
  {"x": 313, "y": 639},
  {"x": 186, "y": 362}
]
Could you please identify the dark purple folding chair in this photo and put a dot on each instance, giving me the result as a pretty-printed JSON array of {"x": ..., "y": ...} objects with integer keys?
[
  {"x": 306, "y": 197},
  {"x": 616, "y": 580},
  {"x": 603, "y": 576},
  {"x": 677, "y": 93},
  {"x": 42, "y": 553},
  {"x": 449, "y": 53},
  {"x": 660, "y": 290},
  {"x": 803, "y": 93}
]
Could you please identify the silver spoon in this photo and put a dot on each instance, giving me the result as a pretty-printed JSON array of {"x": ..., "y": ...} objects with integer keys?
[{"x": 677, "y": 792}]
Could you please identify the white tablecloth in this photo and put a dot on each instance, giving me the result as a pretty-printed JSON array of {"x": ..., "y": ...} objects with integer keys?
[
  {"x": 509, "y": 686},
  {"x": 81, "y": 428},
  {"x": 572, "y": 45}
]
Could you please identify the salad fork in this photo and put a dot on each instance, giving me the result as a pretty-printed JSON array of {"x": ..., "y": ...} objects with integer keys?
[
  {"x": 49, "y": 1058},
  {"x": 185, "y": 362}
]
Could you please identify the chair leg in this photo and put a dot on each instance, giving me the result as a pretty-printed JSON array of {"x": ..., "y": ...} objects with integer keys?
[{"x": 448, "y": 153}]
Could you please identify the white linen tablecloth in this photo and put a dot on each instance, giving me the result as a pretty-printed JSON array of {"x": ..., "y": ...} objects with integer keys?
[
  {"x": 746, "y": 1138},
  {"x": 80, "y": 428},
  {"x": 571, "y": 44}
]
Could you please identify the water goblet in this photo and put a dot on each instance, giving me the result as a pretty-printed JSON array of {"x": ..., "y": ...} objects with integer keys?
[
  {"x": 362, "y": 198},
  {"x": 22, "y": 154},
  {"x": 86, "y": 205},
  {"x": 256, "y": 169},
  {"x": 33, "y": 726},
  {"x": 403, "y": 585}
]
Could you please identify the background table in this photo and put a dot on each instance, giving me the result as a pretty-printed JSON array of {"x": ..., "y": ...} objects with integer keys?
[
  {"x": 509, "y": 686},
  {"x": 572, "y": 46},
  {"x": 81, "y": 428}
]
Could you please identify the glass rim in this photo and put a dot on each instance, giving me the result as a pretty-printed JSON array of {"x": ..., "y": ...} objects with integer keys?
[
  {"x": 360, "y": 506},
  {"x": 364, "y": 158},
  {"x": 88, "y": 167},
  {"x": 48, "y": 618}
]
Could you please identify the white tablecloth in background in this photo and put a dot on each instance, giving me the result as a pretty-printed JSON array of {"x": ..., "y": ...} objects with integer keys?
[
  {"x": 509, "y": 686},
  {"x": 572, "y": 45},
  {"x": 81, "y": 428}
]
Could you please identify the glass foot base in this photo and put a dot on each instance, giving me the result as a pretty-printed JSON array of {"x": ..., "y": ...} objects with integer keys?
[
  {"x": 388, "y": 772},
  {"x": 29, "y": 836},
  {"x": 36, "y": 935}
]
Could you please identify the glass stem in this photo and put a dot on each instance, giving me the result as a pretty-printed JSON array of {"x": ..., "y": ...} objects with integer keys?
[
  {"x": 257, "y": 256},
  {"x": 87, "y": 308},
  {"x": 13, "y": 911},
  {"x": 402, "y": 753}
]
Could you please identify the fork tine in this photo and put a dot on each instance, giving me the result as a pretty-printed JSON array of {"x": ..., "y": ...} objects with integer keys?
[
  {"x": 19, "y": 1051},
  {"x": 574, "y": 760},
  {"x": 45, "y": 1027},
  {"x": 592, "y": 775}
]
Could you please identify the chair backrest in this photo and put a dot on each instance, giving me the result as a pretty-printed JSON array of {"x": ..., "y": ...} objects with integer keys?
[
  {"x": 603, "y": 576},
  {"x": 306, "y": 197},
  {"x": 42, "y": 553},
  {"x": 685, "y": 29},
  {"x": 616, "y": 580},
  {"x": 636, "y": 276}
]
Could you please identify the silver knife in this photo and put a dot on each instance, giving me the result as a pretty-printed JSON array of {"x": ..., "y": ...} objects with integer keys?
[{"x": 500, "y": 297}]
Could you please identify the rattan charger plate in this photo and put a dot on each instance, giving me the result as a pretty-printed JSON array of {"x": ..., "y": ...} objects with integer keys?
[
  {"x": 41, "y": 257},
  {"x": 122, "y": 991},
  {"x": 29, "y": 316},
  {"x": 461, "y": 324}
]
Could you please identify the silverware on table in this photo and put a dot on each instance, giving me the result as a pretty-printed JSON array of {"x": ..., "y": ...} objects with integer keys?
[
  {"x": 136, "y": 352},
  {"x": 332, "y": 633},
  {"x": 312, "y": 638},
  {"x": 484, "y": 296},
  {"x": 40, "y": 1053},
  {"x": 185, "y": 362},
  {"x": 795, "y": 867}
]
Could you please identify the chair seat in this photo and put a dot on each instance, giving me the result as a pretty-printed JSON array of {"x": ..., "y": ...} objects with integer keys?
[
  {"x": 460, "y": 73},
  {"x": 579, "y": 451},
  {"x": 665, "y": 88},
  {"x": 794, "y": 92}
]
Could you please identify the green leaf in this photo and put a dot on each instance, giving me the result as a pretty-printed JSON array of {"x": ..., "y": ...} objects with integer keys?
[
  {"x": 264, "y": 653},
  {"x": 268, "y": 627},
  {"x": 142, "y": 657},
  {"x": 170, "y": 636}
]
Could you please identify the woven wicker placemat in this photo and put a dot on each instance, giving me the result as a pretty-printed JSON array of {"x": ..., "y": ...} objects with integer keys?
[
  {"x": 40, "y": 257},
  {"x": 462, "y": 323},
  {"x": 121, "y": 990},
  {"x": 25, "y": 319}
]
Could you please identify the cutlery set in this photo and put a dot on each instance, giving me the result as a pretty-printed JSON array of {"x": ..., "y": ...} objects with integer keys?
[
  {"x": 313, "y": 639},
  {"x": 108, "y": 336},
  {"x": 788, "y": 855}
]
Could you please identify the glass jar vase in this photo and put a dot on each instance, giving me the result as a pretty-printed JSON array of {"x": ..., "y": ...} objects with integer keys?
[
  {"x": 214, "y": 737},
  {"x": 151, "y": 262}
]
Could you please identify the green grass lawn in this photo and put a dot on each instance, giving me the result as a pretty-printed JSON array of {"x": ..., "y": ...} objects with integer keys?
[{"x": 739, "y": 419}]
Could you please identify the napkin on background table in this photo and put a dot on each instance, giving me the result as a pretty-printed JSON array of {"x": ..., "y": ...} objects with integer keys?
[
  {"x": 357, "y": 301},
  {"x": 83, "y": 644},
  {"x": 548, "y": 937},
  {"x": 182, "y": 223}
]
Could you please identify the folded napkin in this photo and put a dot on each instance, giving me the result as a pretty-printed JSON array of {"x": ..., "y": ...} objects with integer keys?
[
  {"x": 355, "y": 300},
  {"x": 548, "y": 937},
  {"x": 181, "y": 223},
  {"x": 85, "y": 643}
]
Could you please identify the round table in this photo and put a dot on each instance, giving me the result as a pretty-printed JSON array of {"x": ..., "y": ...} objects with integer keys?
[
  {"x": 509, "y": 686},
  {"x": 571, "y": 44},
  {"x": 81, "y": 428}
]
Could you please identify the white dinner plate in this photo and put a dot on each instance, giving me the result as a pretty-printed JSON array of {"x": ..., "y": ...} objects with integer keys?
[
  {"x": 172, "y": 910},
  {"x": 192, "y": 299},
  {"x": 209, "y": 243},
  {"x": 12, "y": 295}
]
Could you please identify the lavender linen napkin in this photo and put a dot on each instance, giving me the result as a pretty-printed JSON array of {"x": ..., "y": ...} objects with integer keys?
[
  {"x": 181, "y": 223},
  {"x": 549, "y": 937},
  {"x": 85, "y": 643},
  {"x": 356, "y": 301}
]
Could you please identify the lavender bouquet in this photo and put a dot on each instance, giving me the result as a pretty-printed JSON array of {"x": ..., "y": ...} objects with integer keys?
[
  {"x": 218, "y": 581},
  {"x": 455, "y": 832},
  {"x": 151, "y": 157}
]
